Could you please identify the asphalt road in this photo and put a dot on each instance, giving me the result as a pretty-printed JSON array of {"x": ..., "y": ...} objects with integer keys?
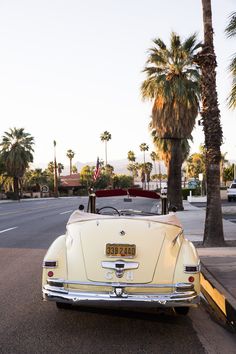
[
  {"x": 228, "y": 209},
  {"x": 29, "y": 325}
]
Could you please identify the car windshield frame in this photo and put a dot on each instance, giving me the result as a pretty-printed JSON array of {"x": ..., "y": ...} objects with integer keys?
[{"x": 127, "y": 202}]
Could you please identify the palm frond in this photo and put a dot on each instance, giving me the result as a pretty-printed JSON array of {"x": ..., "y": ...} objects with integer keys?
[
  {"x": 231, "y": 28},
  {"x": 159, "y": 43},
  {"x": 190, "y": 45},
  {"x": 232, "y": 66},
  {"x": 232, "y": 97}
]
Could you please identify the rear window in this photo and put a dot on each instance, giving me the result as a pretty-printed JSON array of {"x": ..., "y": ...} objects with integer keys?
[{"x": 233, "y": 185}]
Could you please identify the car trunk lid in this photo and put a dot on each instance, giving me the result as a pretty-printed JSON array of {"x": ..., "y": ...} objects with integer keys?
[{"x": 151, "y": 239}]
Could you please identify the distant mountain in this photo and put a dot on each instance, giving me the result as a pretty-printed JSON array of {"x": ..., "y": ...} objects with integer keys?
[{"x": 120, "y": 166}]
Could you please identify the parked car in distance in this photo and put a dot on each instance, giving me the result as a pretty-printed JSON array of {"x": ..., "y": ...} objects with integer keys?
[
  {"x": 121, "y": 255},
  {"x": 231, "y": 192}
]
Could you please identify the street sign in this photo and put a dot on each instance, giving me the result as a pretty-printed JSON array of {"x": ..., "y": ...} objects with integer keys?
[{"x": 44, "y": 189}]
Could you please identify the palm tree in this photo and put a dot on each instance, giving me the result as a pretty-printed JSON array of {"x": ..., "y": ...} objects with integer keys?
[
  {"x": 231, "y": 32},
  {"x": 148, "y": 169},
  {"x": 50, "y": 167},
  {"x": 60, "y": 168},
  {"x": 34, "y": 178},
  {"x": 109, "y": 169},
  {"x": 196, "y": 165},
  {"x": 70, "y": 154},
  {"x": 105, "y": 136},
  {"x": 155, "y": 157},
  {"x": 86, "y": 175},
  {"x": 17, "y": 153},
  {"x": 74, "y": 169},
  {"x": 144, "y": 147},
  {"x": 132, "y": 166},
  {"x": 172, "y": 84},
  {"x": 213, "y": 233},
  {"x": 131, "y": 156},
  {"x": 163, "y": 147}
]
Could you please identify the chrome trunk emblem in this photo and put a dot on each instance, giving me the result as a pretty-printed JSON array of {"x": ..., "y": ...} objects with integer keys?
[{"x": 120, "y": 266}]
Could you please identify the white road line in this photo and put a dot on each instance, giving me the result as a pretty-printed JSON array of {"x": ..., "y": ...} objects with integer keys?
[
  {"x": 66, "y": 212},
  {"x": 11, "y": 228}
]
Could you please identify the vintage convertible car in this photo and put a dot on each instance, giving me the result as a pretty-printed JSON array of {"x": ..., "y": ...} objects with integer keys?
[{"x": 119, "y": 256}]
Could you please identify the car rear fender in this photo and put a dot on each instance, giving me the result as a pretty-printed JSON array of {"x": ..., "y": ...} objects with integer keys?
[
  {"x": 187, "y": 257},
  {"x": 75, "y": 259},
  {"x": 56, "y": 252}
]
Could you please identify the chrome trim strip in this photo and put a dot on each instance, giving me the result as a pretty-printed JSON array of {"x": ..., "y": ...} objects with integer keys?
[
  {"x": 185, "y": 298},
  {"x": 120, "y": 265},
  {"x": 60, "y": 282}
]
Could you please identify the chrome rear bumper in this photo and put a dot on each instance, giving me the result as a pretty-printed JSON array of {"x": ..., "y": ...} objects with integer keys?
[{"x": 182, "y": 294}]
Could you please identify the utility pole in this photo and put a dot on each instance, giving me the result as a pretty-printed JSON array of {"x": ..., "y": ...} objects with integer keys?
[{"x": 55, "y": 171}]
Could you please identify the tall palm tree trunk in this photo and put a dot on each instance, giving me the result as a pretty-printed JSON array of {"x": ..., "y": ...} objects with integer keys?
[
  {"x": 213, "y": 233},
  {"x": 144, "y": 166},
  {"x": 106, "y": 152},
  {"x": 16, "y": 187},
  {"x": 174, "y": 189},
  {"x": 159, "y": 170},
  {"x": 155, "y": 171},
  {"x": 70, "y": 167}
]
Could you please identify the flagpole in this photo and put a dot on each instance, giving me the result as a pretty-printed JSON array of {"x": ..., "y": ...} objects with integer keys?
[{"x": 55, "y": 171}]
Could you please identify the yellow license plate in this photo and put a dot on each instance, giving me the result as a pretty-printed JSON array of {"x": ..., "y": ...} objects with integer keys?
[{"x": 120, "y": 250}]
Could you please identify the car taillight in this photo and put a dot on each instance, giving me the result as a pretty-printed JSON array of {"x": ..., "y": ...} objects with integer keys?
[
  {"x": 50, "y": 264},
  {"x": 50, "y": 273},
  {"x": 192, "y": 269},
  {"x": 191, "y": 279}
]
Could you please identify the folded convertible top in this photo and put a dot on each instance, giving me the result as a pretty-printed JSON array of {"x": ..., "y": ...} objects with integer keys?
[{"x": 79, "y": 216}]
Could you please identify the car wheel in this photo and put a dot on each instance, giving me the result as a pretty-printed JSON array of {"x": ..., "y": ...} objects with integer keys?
[
  {"x": 182, "y": 310},
  {"x": 62, "y": 305},
  {"x": 229, "y": 199}
]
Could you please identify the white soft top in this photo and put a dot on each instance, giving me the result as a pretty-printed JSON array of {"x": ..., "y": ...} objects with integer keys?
[{"x": 79, "y": 216}]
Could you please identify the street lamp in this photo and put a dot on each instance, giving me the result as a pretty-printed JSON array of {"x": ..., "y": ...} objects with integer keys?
[{"x": 55, "y": 171}]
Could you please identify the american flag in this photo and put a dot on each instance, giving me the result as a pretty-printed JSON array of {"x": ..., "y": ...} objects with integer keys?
[{"x": 96, "y": 171}]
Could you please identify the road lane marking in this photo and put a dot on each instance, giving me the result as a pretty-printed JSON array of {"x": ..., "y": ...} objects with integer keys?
[
  {"x": 29, "y": 210},
  {"x": 66, "y": 212},
  {"x": 11, "y": 228},
  {"x": 9, "y": 213}
]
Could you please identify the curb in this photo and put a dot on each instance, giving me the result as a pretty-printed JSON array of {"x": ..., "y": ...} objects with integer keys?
[
  {"x": 23, "y": 200},
  {"x": 219, "y": 298}
]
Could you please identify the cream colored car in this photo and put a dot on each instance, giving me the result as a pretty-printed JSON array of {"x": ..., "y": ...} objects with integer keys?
[{"x": 122, "y": 257}]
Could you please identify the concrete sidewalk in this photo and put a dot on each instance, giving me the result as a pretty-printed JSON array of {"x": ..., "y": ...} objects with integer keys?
[{"x": 218, "y": 275}]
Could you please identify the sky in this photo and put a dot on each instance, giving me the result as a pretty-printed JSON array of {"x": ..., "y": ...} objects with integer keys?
[{"x": 71, "y": 69}]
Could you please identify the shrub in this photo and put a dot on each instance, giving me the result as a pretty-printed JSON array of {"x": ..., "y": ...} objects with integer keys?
[{"x": 11, "y": 195}]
